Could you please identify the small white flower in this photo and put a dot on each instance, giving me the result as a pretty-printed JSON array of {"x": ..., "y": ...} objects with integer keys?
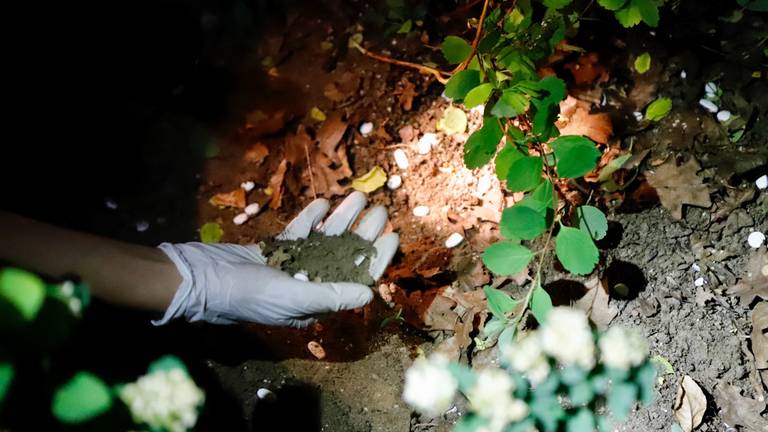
[
  {"x": 566, "y": 336},
  {"x": 240, "y": 219},
  {"x": 394, "y": 182},
  {"x": 708, "y": 105},
  {"x": 167, "y": 399},
  {"x": 420, "y": 211},
  {"x": 429, "y": 386},
  {"x": 762, "y": 182},
  {"x": 366, "y": 128},
  {"x": 426, "y": 142},
  {"x": 755, "y": 239},
  {"x": 401, "y": 159},
  {"x": 527, "y": 357},
  {"x": 623, "y": 348},
  {"x": 453, "y": 240},
  {"x": 491, "y": 397}
]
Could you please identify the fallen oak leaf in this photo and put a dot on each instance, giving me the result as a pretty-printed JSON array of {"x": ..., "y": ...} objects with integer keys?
[
  {"x": 576, "y": 119},
  {"x": 256, "y": 153},
  {"x": 587, "y": 69},
  {"x": 258, "y": 123},
  {"x": 679, "y": 185},
  {"x": 235, "y": 198},
  {"x": 759, "y": 338},
  {"x": 755, "y": 283},
  {"x": 737, "y": 410},
  {"x": 596, "y": 303},
  {"x": 276, "y": 184},
  {"x": 406, "y": 94},
  {"x": 690, "y": 404}
]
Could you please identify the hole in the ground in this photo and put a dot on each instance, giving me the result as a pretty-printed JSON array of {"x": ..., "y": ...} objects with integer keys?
[{"x": 625, "y": 280}]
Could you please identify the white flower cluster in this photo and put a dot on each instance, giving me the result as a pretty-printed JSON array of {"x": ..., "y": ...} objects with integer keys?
[
  {"x": 491, "y": 397},
  {"x": 527, "y": 357},
  {"x": 429, "y": 385},
  {"x": 623, "y": 348},
  {"x": 166, "y": 399},
  {"x": 566, "y": 336}
]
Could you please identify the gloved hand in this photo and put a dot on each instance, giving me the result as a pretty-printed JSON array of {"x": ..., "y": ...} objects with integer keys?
[{"x": 226, "y": 283}]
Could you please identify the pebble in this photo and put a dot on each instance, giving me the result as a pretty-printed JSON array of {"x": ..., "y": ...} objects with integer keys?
[
  {"x": 454, "y": 240},
  {"x": 426, "y": 142},
  {"x": 484, "y": 184},
  {"x": 240, "y": 219},
  {"x": 266, "y": 394},
  {"x": 421, "y": 211},
  {"x": 699, "y": 282},
  {"x": 756, "y": 239},
  {"x": 142, "y": 226},
  {"x": 762, "y": 182},
  {"x": 252, "y": 209},
  {"x": 401, "y": 159},
  {"x": 708, "y": 105},
  {"x": 301, "y": 276},
  {"x": 247, "y": 186},
  {"x": 316, "y": 349},
  {"x": 394, "y": 182},
  {"x": 723, "y": 116},
  {"x": 366, "y": 128}
]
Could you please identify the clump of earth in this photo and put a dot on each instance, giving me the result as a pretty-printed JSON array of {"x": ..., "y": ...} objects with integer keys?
[{"x": 323, "y": 258}]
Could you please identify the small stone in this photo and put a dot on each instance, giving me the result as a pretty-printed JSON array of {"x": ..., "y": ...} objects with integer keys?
[
  {"x": 394, "y": 182},
  {"x": 301, "y": 276},
  {"x": 366, "y": 128},
  {"x": 699, "y": 282},
  {"x": 316, "y": 349},
  {"x": 426, "y": 142},
  {"x": 454, "y": 240},
  {"x": 483, "y": 184},
  {"x": 401, "y": 159},
  {"x": 756, "y": 239},
  {"x": 421, "y": 211},
  {"x": 708, "y": 105},
  {"x": 762, "y": 182},
  {"x": 252, "y": 209},
  {"x": 638, "y": 115},
  {"x": 247, "y": 186},
  {"x": 683, "y": 74},
  {"x": 142, "y": 226},
  {"x": 266, "y": 394},
  {"x": 240, "y": 219},
  {"x": 723, "y": 116},
  {"x": 695, "y": 267}
]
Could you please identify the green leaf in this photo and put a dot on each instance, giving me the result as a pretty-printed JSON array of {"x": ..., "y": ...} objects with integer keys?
[
  {"x": 478, "y": 95},
  {"x": 211, "y": 232},
  {"x": 547, "y": 411},
  {"x": 649, "y": 10},
  {"x": 755, "y": 5},
  {"x": 576, "y": 155},
  {"x": 613, "y": 166},
  {"x": 643, "y": 63},
  {"x": 524, "y": 174},
  {"x": 621, "y": 399},
  {"x": 604, "y": 424},
  {"x": 463, "y": 374},
  {"x": 511, "y": 104},
  {"x": 499, "y": 302},
  {"x": 521, "y": 222},
  {"x": 504, "y": 160},
  {"x": 453, "y": 121},
  {"x": 541, "y": 199},
  {"x": 455, "y": 49},
  {"x": 576, "y": 251},
  {"x": 629, "y": 16},
  {"x": 544, "y": 119},
  {"x": 581, "y": 394},
  {"x": 556, "y": 4},
  {"x": 582, "y": 421},
  {"x": 82, "y": 398},
  {"x": 541, "y": 304},
  {"x": 505, "y": 258},
  {"x": 675, "y": 428},
  {"x": 592, "y": 221},
  {"x": 658, "y": 109},
  {"x": 24, "y": 291},
  {"x": 405, "y": 28},
  {"x": 482, "y": 144},
  {"x": 612, "y": 5},
  {"x": 6, "y": 377},
  {"x": 489, "y": 41},
  {"x": 167, "y": 363},
  {"x": 645, "y": 377},
  {"x": 470, "y": 423},
  {"x": 461, "y": 84}
]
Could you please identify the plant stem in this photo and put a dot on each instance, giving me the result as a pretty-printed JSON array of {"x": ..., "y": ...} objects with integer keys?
[
  {"x": 426, "y": 70},
  {"x": 476, "y": 40}
]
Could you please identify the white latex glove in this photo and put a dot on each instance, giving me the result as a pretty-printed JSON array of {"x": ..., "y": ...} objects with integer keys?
[{"x": 226, "y": 283}]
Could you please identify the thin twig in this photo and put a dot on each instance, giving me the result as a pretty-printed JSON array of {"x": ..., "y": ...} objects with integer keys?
[
  {"x": 475, "y": 41},
  {"x": 426, "y": 70},
  {"x": 311, "y": 176}
]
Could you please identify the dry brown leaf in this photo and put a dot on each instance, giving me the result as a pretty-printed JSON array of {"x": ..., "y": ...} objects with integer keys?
[
  {"x": 330, "y": 134},
  {"x": 679, "y": 185},
  {"x": 575, "y": 119},
  {"x": 258, "y": 123},
  {"x": 256, "y": 153},
  {"x": 276, "y": 184},
  {"x": 690, "y": 404},
  {"x": 734, "y": 199},
  {"x": 407, "y": 93},
  {"x": 440, "y": 315},
  {"x": 755, "y": 283},
  {"x": 235, "y": 198},
  {"x": 737, "y": 410},
  {"x": 342, "y": 88},
  {"x": 596, "y": 304},
  {"x": 760, "y": 335},
  {"x": 587, "y": 69}
]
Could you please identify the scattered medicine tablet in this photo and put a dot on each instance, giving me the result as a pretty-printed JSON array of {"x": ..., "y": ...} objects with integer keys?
[
  {"x": 266, "y": 394},
  {"x": 240, "y": 219},
  {"x": 401, "y": 159},
  {"x": 683, "y": 74},
  {"x": 142, "y": 226},
  {"x": 454, "y": 240},
  {"x": 366, "y": 128},
  {"x": 710, "y": 89},
  {"x": 756, "y": 239},
  {"x": 247, "y": 186},
  {"x": 426, "y": 142},
  {"x": 420, "y": 211},
  {"x": 723, "y": 116},
  {"x": 301, "y": 276},
  {"x": 699, "y": 282},
  {"x": 762, "y": 182},
  {"x": 252, "y": 209},
  {"x": 394, "y": 182},
  {"x": 484, "y": 184},
  {"x": 708, "y": 105}
]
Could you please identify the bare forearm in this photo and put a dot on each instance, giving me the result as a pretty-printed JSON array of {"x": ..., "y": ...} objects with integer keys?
[{"x": 120, "y": 273}]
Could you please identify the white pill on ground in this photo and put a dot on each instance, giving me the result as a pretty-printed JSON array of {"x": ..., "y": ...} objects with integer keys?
[
  {"x": 252, "y": 209},
  {"x": 683, "y": 74},
  {"x": 484, "y": 184},
  {"x": 723, "y": 116},
  {"x": 366, "y": 128},
  {"x": 421, "y": 211},
  {"x": 265, "y": 394},
  {"x": 708, "y": 105},
  {"x": 301, "y": 276},
  {"x": 426, "y": 142},
  {"x": 762, "y": 182},
  {"x": 638, "y": 115},
  {"x": 247, "y": 186},
  {"x": 756, "y": 239},
  {"x": 695, "y": 267},
  {"x": 142, "y": 226},
  {"x": 699, "y": 282},
  {"x": 710, "y": 88},
  {"x": 401, "y": 159},
  {"x": 454, "y": 240},
  {"x": 394, "y": 182},
  {"x": 240, "y": 219}
]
